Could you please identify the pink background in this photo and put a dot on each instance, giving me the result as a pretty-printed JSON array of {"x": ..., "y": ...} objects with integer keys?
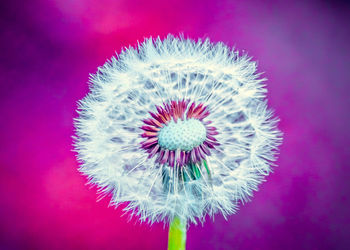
[{"x": 48, "y": 49}]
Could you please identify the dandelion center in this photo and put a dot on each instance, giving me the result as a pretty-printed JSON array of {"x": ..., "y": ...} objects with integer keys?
[
  {"x": 184, "y": 135},
  {"x": 178, "y": 134}
]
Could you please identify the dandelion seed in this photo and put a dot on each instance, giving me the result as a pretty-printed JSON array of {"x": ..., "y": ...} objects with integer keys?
[{"x": 178, "y": 129}]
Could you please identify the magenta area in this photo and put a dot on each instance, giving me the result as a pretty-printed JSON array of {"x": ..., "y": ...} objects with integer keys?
[{"x": 48, "y": 49}]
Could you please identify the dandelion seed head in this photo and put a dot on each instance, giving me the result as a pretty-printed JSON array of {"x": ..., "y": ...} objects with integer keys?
[{"x": 177, "y": 127}]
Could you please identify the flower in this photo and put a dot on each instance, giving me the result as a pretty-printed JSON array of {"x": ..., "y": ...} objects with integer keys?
[{"x": 177, "y": 128}]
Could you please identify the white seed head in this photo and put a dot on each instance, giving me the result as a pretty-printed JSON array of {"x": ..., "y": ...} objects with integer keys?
[{"x": 108, "y": 136}]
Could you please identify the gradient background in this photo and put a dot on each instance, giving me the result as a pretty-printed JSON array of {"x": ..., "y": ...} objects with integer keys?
[{"x": 48, "y": 49}]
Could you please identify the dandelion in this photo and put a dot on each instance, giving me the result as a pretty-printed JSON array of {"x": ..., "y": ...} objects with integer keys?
[{"x": 177, "y": 129}]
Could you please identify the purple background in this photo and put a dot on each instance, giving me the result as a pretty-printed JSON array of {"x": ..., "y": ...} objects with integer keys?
[{"x": 48, "y": 49}]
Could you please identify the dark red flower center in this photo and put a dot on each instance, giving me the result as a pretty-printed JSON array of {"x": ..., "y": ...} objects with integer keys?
[{"x": 177, "y": 133}]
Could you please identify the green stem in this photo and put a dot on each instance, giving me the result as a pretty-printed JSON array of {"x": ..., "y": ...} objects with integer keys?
[{"x": 177, "y": 235}]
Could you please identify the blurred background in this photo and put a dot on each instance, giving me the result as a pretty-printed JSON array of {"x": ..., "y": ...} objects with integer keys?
[{"x": 48, "y": 50}]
